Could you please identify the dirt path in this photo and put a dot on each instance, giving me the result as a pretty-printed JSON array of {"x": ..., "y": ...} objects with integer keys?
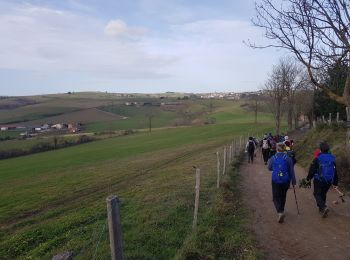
[{"x": 304, "y": 236}]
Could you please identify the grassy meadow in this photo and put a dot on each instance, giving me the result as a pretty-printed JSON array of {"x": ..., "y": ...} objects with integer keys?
[{"x": 55, "y": 201}]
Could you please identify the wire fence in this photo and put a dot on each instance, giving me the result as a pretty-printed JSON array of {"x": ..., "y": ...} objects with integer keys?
[{"x": 225, "y": 157}]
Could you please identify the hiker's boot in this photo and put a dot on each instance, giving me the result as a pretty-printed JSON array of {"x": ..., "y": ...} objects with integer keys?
[
  {"x": 324, "y": 212},
  {"x": 281, "y": 217}
]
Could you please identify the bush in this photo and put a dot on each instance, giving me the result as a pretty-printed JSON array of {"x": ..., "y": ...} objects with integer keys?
[{"x": 343, "y": 169}]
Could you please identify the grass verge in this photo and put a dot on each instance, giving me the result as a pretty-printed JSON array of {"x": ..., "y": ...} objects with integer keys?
[{"x": 221, "y": 232}]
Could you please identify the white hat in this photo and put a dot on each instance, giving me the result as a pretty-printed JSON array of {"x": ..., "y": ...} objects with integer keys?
[{"x": 286, "y": 138}]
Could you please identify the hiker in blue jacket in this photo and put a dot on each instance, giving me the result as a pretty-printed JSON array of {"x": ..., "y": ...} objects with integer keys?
[
  {"x": 324, "y": 172},
  {"x": 283, "y": 174}
]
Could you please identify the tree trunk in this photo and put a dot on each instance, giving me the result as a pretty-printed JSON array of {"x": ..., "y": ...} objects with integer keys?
[
  {"x": 290, "y": 117},
  {"x": 278, "y": 117},
  {"x": 348, "y": 134},
  {"x": 296, "y": 122}
]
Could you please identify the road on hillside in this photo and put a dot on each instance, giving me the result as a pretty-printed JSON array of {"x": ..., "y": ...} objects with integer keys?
[{"x": 304, "y": 236}]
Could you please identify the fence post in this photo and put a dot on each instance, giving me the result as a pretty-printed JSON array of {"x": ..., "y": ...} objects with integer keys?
[
  {"x": 234, "y": 149},
  {"x": 240, "y": 143},
  {"x": 330, "y": 118},
  {"x": 115, "y": 228},
  {"x": 314, "y": 123},
  {"x": 196, "y": 202},
  {"x": 229, "y": 155},
  {"x": 323, "y": 120},
  {"x": 218, "y": 170},
  {"x": 224, "y": 165},
  {"x": 337, "y": 117},
  {"x": 232, "y": 145}
]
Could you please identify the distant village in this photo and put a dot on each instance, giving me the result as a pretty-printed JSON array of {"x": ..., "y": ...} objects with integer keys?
[{"x": 30, "y": 131}]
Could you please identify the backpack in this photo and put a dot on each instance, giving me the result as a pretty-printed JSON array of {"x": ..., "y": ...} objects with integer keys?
[
  {"x": 326, "y": 169},
  {"x": 291, "y": 154},
  {"x": 280, "y": 169},
  {"x": 265, "y": 144},
  {"x": 251, "y": 146},
  {"x": 273, "y": 145}
]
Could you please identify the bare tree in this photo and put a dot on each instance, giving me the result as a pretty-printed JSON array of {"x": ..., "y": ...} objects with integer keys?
[
  {"x": 293, "y": 81},
  {"x": 275, "y": 88},
  {"x": 304, "y": 105},
  {"x": 316, "y": 32}
]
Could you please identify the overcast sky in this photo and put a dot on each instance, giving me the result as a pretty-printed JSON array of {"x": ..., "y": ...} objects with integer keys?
[{"x": 130, "y": 46}]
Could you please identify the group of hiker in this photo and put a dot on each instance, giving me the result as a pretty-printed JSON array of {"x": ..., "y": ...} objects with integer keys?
[{"x": 278, "y": 155}]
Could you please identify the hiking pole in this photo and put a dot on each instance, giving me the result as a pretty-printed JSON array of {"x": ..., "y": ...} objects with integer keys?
[
  {"x": 341, "y": 194},
  {"x": 296, "y": 201}
]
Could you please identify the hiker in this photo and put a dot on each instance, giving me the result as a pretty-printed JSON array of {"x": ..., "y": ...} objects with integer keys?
[
  {"x": 317, "y": 153},
  {"x": 265, "y": 148},
  {"x": 250, "y": 148},
  {"x": 256, "y": 142},
  {"x": 291, "y": 142},
  {"x": 324, "y": 172},
  {"x": 272, "y": 147},
  {"x": 282, "y": 175},
  {"x": 290, "y": 152}
]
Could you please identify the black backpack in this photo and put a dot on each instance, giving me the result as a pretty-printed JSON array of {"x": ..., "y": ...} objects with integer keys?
[{"x": 251, "y": 147}]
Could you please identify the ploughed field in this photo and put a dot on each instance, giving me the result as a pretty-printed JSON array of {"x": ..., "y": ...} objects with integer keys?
[{"x": 55, "y": 201}]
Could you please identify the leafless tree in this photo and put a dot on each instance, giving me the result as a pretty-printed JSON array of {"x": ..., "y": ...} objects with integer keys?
[
  {"x": 275, "y": 88},
  {"x": 317, "y": 32},
  {"x": 293, "y": 80},
  {"x": 304, "y": 102}
]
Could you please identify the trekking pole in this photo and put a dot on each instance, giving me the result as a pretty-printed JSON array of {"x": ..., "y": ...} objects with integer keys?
[
  {"x": 341, "y": 194},
  {"x": 296, "y": 201}
]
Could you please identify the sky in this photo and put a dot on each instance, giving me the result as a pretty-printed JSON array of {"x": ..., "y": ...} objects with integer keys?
[{"x": 129, "y": 46}]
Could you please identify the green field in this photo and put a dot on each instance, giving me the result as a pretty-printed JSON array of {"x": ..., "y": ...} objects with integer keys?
[
  {"x": 11, "y": 134},
  {"x": 55, "y": 201},
  {"x": 137, "y": 118}
]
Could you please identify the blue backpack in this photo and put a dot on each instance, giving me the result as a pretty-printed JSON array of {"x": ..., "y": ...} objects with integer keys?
[
  {"x": 280, "y": 169},
  {"x": 326, "y": 169}
]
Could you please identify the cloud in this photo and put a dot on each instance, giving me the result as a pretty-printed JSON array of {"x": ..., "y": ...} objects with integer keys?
[
  {"x": 211, "y": 55},
  {"x": 118, "y": 27},
  {"x": 183, "y": 53},
  {"x": 43, "y": 39}
]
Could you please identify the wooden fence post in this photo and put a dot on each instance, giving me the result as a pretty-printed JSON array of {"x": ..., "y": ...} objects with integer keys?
[
  {"x": 232, "y": 145},
  {"x": 196, "y": 202},
  {"x": 229, "y": 155},
  {"x": 314, "y": 123},
  {"x": 218, "y": 170},
  {"x": 323, "y": 120},
  {"x": 234, "y": 149},
  {"x": 337, "y": 117},
  {"x": 224, "y": 165},
  {"x": 330, "y": 118},
  {"x": 240, "y": 143},
  {"x": 115, "y": 228}
]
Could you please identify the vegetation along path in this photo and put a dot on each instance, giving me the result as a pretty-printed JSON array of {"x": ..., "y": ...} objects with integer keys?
[{"x": 304, "y": 236}]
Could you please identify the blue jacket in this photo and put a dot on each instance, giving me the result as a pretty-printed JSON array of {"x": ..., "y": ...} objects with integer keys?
[{"x": 291, "y": 168}]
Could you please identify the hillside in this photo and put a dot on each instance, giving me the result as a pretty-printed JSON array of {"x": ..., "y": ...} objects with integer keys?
[
  {"x": 335, "y": 136},
  {"x": 83, "y": 116},
  {"x": 58, "y": 202}
]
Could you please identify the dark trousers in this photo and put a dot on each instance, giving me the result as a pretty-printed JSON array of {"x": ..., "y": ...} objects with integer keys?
[
  {"x": 265, "y": 153},
  {"x": 279, "y": 195},
  {"x": 320, "y": 193},
  {"x": 250, "y": 156}
]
